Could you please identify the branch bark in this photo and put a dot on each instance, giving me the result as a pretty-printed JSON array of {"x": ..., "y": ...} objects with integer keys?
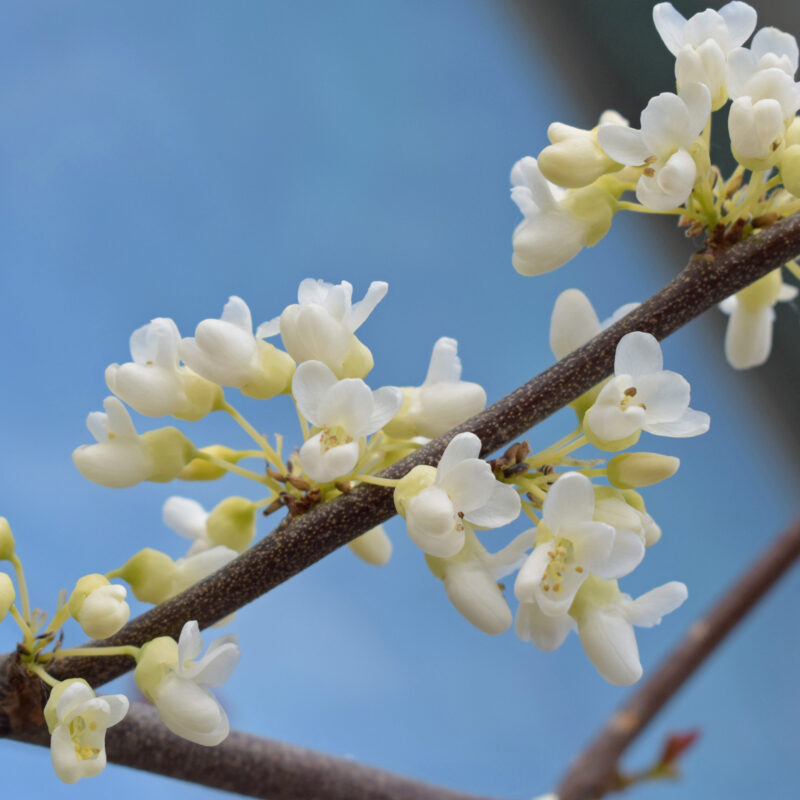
[
  {"x": 250, "y": 765},
  {"x": 591, "y": 774},
  {"x": 292, "y": 547}
]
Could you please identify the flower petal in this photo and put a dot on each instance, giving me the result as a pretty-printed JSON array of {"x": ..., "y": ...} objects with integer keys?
[
  {"x": 461, "y": 447},
  {"x": 648, "y": 609},
  {"x": 477, "y": 597},
  {"x": 386, "y": 403},
  {"x": 573, "y": 322},
  {"x": 237, "y": 313},
  {"x": 670, "y": 24},
  {"x": 665, "y": 395},
  {"x": 502, "y": 508},
  {"x": 626, "y": 554},
  {"x": 547, "y": 633},
  {"x": 692, "y": 423},
  {"x": 569, "y": 502},
  {"x": 748, "y": 337},
  {"x": 445, "y": 365},
  {"x": 469, "y": 484},
  {"x": 311, "y": 381},
  {"x": 638, "y": 354},
  {"x": 190, "y": 643},
  {"x": 741, "y": 21},
  {"x": 609, "y": 641},
  {"x": 185, "y": 516},
  {"x": 363, "y": 308},
  {"x": 665, "y": 124},
  {"x": 625, "y": 145}
]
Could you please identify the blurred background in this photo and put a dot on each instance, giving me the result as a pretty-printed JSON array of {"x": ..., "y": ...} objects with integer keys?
[{"x": 159, "y": 157}]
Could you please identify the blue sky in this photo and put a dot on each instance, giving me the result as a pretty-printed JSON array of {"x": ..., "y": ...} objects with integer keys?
[{"x": 158, "y": 158}]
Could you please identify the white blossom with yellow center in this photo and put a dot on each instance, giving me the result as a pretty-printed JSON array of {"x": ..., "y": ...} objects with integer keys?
[
  {"x": 346, "y": 411},
  {"x": 78, "y": 720},
  {"x": 643, "y": 396}
]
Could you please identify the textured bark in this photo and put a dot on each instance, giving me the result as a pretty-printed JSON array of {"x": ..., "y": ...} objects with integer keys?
[
  {"x": 293, "y": 547},
  {"x": 250, "y": 765},
  {"x": 592, "y": 772}
]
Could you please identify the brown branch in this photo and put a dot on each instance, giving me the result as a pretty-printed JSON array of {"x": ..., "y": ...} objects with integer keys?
[
  {"x": 251, "y": 765},
  {"x": 302, "y": 542},
  {"x": 591, "y": 775}
]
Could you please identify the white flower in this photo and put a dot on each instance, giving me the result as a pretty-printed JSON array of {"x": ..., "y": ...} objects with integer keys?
[
  {"x": 764, "y": 102},
  {"x": 346, "y": 410},
  {"x": 574, "y": 321},
  {"x": 78, "y": 721},
  {"x": 438, "y": 503},
  {"x": 225, "y": 352},
  {"x": 122, "y": 458},
  {"x": 571, "y": 545},
  {"x": 322, "y": 324},
  {"x": 154, "y": 383},
  {"x": 170, "y": 674},
  {"x": 546, "y": 632},
  {"x": 748, "y": 339},
  {"x": 701, "y": 44},
  {"x": 670, "y": 125},
  {"x": 556, "y": 227},
  {"x": 606, "y": 618},
  {"x": 442, "y": 402},
  {"x": 470, "y": 580},
  {"x": 643, "y": 396}
]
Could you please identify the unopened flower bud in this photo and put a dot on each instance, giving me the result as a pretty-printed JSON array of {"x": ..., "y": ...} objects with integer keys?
[
  {"x": 374, "y": 546},
  {"x": 199, "y": 469},
  {"x": 410, "y": 485},
  {"x": 157, "y": 659},
  {"x": 7, "y": 594},
  {"x": 150, "y": 574},
  {"x": 574, "y": 159},
  {"x": 634, "y": 470},
  {"x": 98, "y": 606},
  {"x": 790, "y": 169},
  {"x": 232, "y": 523},
  {"x": 7, "y": 545},
  {"x": 171, "y": 451}
]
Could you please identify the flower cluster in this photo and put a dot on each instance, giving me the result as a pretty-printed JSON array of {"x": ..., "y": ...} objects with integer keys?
[{"x": 569, "y": 194}]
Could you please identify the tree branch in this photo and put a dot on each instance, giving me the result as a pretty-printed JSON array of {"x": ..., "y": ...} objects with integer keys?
[
  {"x": 591, "y": 775},
  {"x": 250, "y": 765},
  {"x": 303, "y": 541}
]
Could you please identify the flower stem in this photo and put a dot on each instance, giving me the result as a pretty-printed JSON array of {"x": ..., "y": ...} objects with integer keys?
[
  {"x": 61, "y": 616},
  {"x": 23, "y": 587},
  {"x": 48, "y": 679},
  {"x": 23, "y": 625},
  {"x": 260, "y": 440},
  {"x": 236, "y": 469}
]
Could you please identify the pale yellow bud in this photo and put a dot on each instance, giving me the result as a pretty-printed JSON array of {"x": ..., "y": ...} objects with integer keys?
[
  {"x": 198, "y": 469},
  {"x": 156, "y": 660},
  {"x": 790, "y": 169},
  {"x": 99, "y": 606},
  {"x": 171, "y": 452},
  {"x": 232, "y": 523},
  {"x": 574, "y": 159},
  {"x": 7, "y": 544},
  {"x": 275, "y": 376},
  {"x": 149, "y": 574},
  {"x": 358, "y": 362},
  {"x": 7, "y": 594},
  {"x": 410, "y": 485},
  {"x": 634, "y": 470},
  {"x": 374, "y": 546}
]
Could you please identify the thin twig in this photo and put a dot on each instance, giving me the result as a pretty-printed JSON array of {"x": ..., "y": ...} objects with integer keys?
[
  {"x": 301, "y": 542},
  {"x": 592, "y": 773},
  {"x": 251, "y": 765}
]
